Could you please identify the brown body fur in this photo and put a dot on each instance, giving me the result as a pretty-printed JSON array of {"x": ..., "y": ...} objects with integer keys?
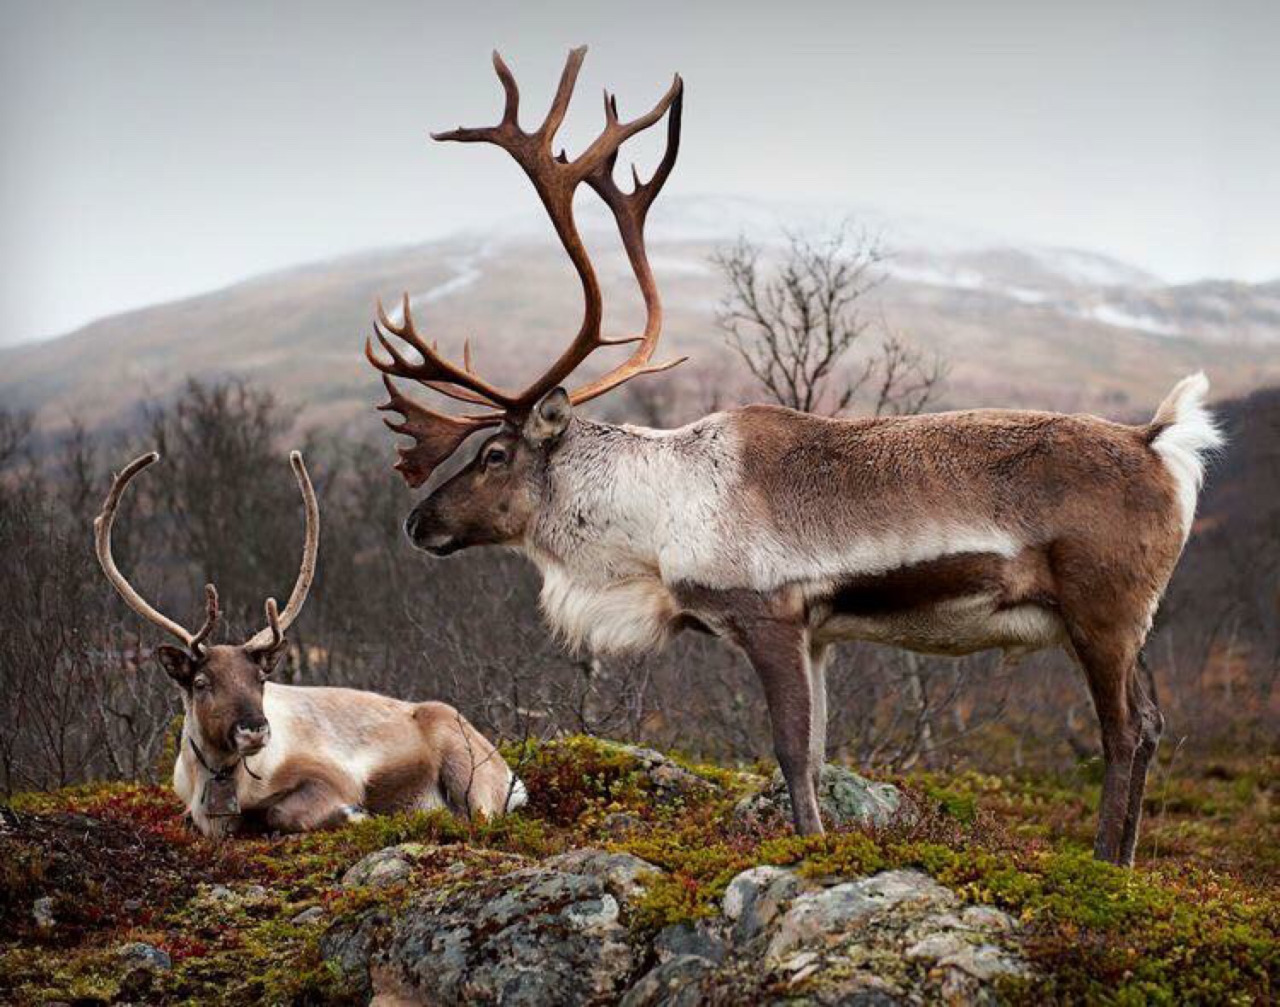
[{"x": 1095, "y": 505}]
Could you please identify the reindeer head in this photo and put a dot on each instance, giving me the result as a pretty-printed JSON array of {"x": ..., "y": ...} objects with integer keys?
[
  {"x": 222, "y": 684},
  {"x": 494, "y": 499}
]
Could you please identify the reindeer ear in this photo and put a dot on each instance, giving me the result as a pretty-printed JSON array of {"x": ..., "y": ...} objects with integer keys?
[
  {"x": 549, "y": 418},
  {"x": 177, "y": 663}
]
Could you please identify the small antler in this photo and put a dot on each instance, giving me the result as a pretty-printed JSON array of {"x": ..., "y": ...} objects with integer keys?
[
  {"x": 555, "y": 178},
  {"x": 264, "y": 639},
  {"x": 102, "y": 525},
  {"x": 275, "y": 635},
  {"x": 211, "y": 616}
]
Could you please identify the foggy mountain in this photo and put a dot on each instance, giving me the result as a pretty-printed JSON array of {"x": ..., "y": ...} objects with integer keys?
[{"x": 1021, "y": 325}]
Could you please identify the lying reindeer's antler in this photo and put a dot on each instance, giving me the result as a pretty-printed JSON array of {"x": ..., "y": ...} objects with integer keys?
[
  {"x": 102, "y": 543},
  {"x": 265, "y": 639},
  {"x": 195, "y": 642},
  {"x": 555, "y": 179}
]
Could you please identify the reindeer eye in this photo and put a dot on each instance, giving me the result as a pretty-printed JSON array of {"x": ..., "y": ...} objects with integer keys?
[
  {"x": 201, "y": 682},
  {"x": 495, "y": 454}
]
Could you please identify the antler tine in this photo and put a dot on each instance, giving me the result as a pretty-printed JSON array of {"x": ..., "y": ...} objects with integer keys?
[
  {"x": 436, "y": 435},
  {"x": 211, "y": 616},
  {"x": 311, "y": 546},
  {"x": 507, "y": 132},
  {"x": 440, "y": 374},
  {"x": 102, "y": 545},
  {"x": 273, "y": 633},
  {"x": 630, "y": 211},
  {"x": 616, "y": 133}
]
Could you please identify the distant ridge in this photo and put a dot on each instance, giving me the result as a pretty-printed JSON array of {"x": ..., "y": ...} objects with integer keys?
[{"x": 1020, "y": 324}]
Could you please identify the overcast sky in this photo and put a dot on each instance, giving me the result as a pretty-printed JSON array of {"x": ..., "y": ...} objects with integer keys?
[{"x": 150, "y": 150}]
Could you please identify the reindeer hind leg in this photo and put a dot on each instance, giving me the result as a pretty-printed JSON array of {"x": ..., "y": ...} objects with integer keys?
[
  {"x": 1142, "y": 698},
  {"x": 1108, "y": 664},
  {"x": 817, "y": 667}
]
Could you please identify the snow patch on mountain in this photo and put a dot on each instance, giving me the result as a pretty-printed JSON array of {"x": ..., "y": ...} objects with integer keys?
[{"x": 1119, "y": 318}]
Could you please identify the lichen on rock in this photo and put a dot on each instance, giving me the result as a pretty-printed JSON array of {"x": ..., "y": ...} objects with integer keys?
[{"x": 844, "y": 798}]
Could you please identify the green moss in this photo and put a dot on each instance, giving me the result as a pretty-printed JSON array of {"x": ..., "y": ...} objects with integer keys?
[
  {"x": 837, "y": 854},
  {"x": 1198, "y": 924},
  {"x": 698, "y": 872}
]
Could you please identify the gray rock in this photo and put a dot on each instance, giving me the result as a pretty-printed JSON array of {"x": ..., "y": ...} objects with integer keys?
[
  {"x": 382, "y": 868},
  {"x": 352, "y": 946},
  {"x": 824, "y": 917},
  {"x": 754, "y": 899},
  {"x": 674, "y": 983},
  {"x": 42, "y": 913},
  {"x": 959, "y": 949},
  {"x": 145, "y": 955},
  {"x": 312, "y": 915},
  {"x": 668, "y": 777},
  {"x": 623, "y": 874},
  {"x": 984, "y": 962},
  {"x": 938, "y": 945},
  {"x": 683, "y": 939},
  {"x": 987, "y": 918},
  {"x": 535, "y": 936},
  {"x": 844, "y": 797}
]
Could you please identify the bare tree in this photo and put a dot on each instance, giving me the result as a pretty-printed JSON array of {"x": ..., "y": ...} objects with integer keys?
[
  {"x": 799, "y": 326},
  {"x": 15, "y": 432}
]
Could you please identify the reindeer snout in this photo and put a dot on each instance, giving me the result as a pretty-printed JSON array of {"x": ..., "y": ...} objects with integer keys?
[
  {"x": 252, "y": 735},
  {"x": 425, "y": 532}
]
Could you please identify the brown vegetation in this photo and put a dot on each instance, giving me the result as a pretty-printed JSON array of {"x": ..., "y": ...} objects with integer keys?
[{"x": 83, "y": 700}]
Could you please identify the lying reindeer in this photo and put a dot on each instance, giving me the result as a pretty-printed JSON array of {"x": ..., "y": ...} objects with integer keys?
[{"x": 320, "y": 756}]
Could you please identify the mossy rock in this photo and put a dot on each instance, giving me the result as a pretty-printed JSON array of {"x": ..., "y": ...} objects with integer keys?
[{"x": 844, "y": 798}]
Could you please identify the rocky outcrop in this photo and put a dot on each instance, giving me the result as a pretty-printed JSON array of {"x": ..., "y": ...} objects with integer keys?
[
  {"x": 844, "y": 797},
  {"x": 559, "y": 932},
  {"x": 549, "y": 934},
  {"x": 667, "y": 779},
  {"x": 896, "y": 937}
]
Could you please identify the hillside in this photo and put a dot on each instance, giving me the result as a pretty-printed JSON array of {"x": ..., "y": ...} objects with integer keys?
[
  {"x": 1020, "y": 325},
  {"x": 637, "y": 878}
]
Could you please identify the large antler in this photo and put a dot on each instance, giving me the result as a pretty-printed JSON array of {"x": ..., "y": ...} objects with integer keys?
[
  {"x": 102, "y": 542},
  {"x": 555, "y": 179},
  {"x": 267, "y": 638}
]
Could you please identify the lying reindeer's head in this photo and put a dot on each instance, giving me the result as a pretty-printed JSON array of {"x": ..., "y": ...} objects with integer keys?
[
  {"x": 222, "y": 687},
  {"x": 222, "y": 684},
  {"x": 494, "y": 499}
]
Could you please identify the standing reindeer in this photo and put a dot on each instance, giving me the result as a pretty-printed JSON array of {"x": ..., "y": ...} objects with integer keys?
[
  {"x": 321, "y": 756},
  {"x": 783, "y": 532}
]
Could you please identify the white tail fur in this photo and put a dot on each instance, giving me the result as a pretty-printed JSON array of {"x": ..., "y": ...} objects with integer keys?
[
  {"x": 517, "y": 795},
  {"x": 1190, "y": 432}
]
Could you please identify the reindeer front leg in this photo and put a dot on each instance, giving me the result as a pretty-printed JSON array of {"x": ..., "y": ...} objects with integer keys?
[
  {"x": 779, "y": 652},
  {"x": 310, "y": 805}
]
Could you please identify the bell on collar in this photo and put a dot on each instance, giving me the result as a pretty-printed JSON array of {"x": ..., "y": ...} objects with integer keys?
[{"x": 219, "y": 797}]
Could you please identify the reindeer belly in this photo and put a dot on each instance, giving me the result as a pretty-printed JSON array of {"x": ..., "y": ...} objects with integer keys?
[
  {"x": 956, "y": 604},
  {"x": 959, "y": 626}
]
